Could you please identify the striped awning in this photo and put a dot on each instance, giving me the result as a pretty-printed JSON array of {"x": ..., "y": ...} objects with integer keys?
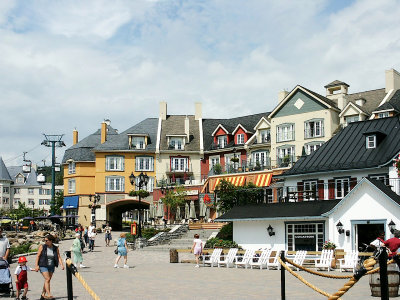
[
  {"x": 235, "y": 180},
  {"x": 263, "y": 179}
]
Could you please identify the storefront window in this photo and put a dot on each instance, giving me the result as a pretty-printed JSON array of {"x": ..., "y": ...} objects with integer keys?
[{"x": 305, "y": 236}]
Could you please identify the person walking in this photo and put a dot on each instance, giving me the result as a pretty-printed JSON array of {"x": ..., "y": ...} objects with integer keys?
[
  {"x": 107, "y": 236},
  {"x": 47, "y": 259},
  {"x": 393, "y": 244},
  {"x": 86, "y": 236},
  {"x": 4, "y": 246},
  {"x": 197, "y": 248},
  {"x": 76, "y": 249},
  {"x": 92, "y": 237},
  {"x": 122, "y": 250}
]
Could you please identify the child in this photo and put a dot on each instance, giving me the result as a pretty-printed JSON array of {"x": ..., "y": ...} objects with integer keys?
[
  {"x": 21, "y": 277},
  {"x": 197, "y": 248}
]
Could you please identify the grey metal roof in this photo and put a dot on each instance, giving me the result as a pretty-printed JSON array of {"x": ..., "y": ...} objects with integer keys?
[
  {"x": 347, "y": 150},
  {"x": 393, "y": 103},
  {"x": 30, "y": 178},
  {"x": 4, "y": 175},
  {"x": 82, "y": 151},
  {"x": 248, "y": 122},
  {"x": 121, "y": 141},
  {"x": 372, "y": 99},
  {"x": 175, "y": 125}
]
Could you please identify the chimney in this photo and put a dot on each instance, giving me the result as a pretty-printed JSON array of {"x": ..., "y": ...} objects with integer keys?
[
  {"x": 163, "y": 110},
  {"x": 197, "y": 111},
  {"x": 282, "y": 95},
  {"x": 74, "y": 137},
  {"x": 187, "y": 128},
  {"x": 341, "y": 101},
  {"x": 392, "y": 80},
  {"x": 103, "y": 132}
]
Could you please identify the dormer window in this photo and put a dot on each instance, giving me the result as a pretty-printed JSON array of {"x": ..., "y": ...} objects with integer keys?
[
  {"x": 240, "y": 139},
  {"x": 222, "y": 141},
  {"x": 383, "y": 115},
  {"x": 138, "y": 142},
  {"x": 20, "y": 179},
  {"x": 265, "y": 136},
  {"x": 371, "y": 141},
  {"x": 176, "y": 143}
]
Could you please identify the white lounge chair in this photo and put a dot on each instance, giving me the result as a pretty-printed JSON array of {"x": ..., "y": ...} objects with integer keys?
[
  {"x": 349, "y": 262},
  {"x": 262, "y": 260},
  {"x": 275, "y": 263},
  {"x": 228, "y": 259},
  {"x": 325, "y": 261},
  {"x": 245, "y": 259},
  {"x": 299, "y": 258},
  {"x": 213, "y": 258}
]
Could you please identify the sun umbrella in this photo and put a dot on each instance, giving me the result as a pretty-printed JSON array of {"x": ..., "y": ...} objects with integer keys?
[
  {"x": 27, "y": 218},
  {"x": 192, "y": 211},
  {"x": 55, "y": 217},
  {"x": 203, "y": 209},
  {"x": 207, "y": 213},
  {"x": 5, "y": 221},
  {"x": 186, "y": 211},
  {"x": 178, "y": 213},
  {"x": 160, "y": 209},
  {"x": 151, "y": 211}
]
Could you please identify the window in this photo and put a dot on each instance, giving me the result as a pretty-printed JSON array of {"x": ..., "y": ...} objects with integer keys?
[
  {"x": 265, "y": 136},
  {"x": 381, "y": 177},
  {"x": 310, "y": 148},
  {"x": 6, "y": 200},
  {"x": 383, "y": 115},
  {"x": 285, "y": 153},
  {"x": 305, "y": 236},
  {"x": 115, "y": 184},
  {"x": 150, "y": 184},
  {"x": 138, "y": 142},
  {"x": 20, "y": 179},
  {"x": 229, "y": 164},
  {"x": 285, "y": 132},
  {"x": 240, "y": 139},
  {"x": 6, "y": 190},
  {"x": 115, "y": 163},
  {"x": 292, "y": 193},
  {"x": 31, "y": 202},
  {"x": 260, "y": 157},
  {"x": 176, "y": 143},
  {"x": 179, "y": 164},
  {"x": 71, "y": 186},
  {"x": 213, "y": 161},
  {"x": 351, "y": 119},
  {"x": 313, "y": 129},
  {"x": 310, "y": 189},
  {"x": 71, "y": 167},
  {"x": 342, "y": 187},
  {"x": 371, "y": 141},
  {"x": 144, "y": 163},
  {"x": 222, "y": 141},
  {"x": 44, "y": 191},
  {"x": 30, "y": 191},
  {"x": 17, "y": 191},
  {"x": 16, "y": 201},
  {"x": 44, "y": 202}
]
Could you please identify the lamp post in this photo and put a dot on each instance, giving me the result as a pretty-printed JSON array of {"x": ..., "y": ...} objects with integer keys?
[
  {"x": 143, "y": 180},
  {"x": 53, "y": 141},
  {"x": 96, "y": 199}
]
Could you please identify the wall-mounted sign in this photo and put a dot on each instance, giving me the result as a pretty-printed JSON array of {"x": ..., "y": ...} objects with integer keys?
[
  {"x": 191, "y": 192},
  {"x": 208, "y": 199}
]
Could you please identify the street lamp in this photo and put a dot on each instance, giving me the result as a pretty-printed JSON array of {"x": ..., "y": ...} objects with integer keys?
[
  {"x": 96, "y": 199},
  {"x": 143, "y": 180}
]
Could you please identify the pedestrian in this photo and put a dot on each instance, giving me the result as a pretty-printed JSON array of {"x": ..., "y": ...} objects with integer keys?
[
  {"x": 21, "y": 277},
  {"x": 122, "y": 250},
  {"x": 4, "y": 246},
  {"x": 76, "y": 249},
  {"x": 86, "y": 236},
  {"x": 108, "y": 236},
  {"x": 197, "y": 248},
  {"x": 393, "y": 244},
  {"x": 47, "y": 259},
  {"x": 92, "y": 237},
  {"x": 379, "y": 241}
]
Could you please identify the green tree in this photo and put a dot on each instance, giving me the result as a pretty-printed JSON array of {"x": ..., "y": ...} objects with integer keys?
[
  {"x": 59, "y": 202},
  {"x": 174, "y": 198}
]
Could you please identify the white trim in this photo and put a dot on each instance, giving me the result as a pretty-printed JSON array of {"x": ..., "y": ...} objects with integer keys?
[
  {"x": 175, "y": 135},
  {"x": 237, "y": 127},
  {"x": 158, "y": 135},
  {"x": 216, "y": 129},
  {"x": 250, "y": 140},
  {"x": 306, "y": 218},
  {"x": 258, "y": 123},
  {"x": 385, "y": 110},
  {"x": 298, "y": 87},
  {"x": 201, "y": 135},
  {"x": 346, "y": 107},
  {"x": 384, "y": 100}
]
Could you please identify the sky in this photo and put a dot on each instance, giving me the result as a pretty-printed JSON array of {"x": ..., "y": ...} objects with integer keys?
[{"x": 68, "y": 65}]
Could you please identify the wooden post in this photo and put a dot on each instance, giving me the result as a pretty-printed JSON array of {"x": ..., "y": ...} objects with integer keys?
[
  {"x": 383, "y": 275},
  {"x": 173, "y": 256},
  {"x": 283, "y": 296}
]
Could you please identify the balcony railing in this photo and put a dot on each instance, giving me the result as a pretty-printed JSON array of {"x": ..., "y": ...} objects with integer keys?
[{"x": 179, "y": 169}]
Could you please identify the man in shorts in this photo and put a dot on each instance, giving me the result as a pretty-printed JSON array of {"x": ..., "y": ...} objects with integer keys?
[
  {"x": 4, "y": 246},
  {"x": 107, "y": 235}
]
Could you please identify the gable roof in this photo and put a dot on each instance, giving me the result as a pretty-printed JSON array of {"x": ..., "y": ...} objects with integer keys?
[
  {"x": 240, "y": 126},
  {"x": 82, "y": 151},
  {"x": 30, "y": 178},
  {"x": 147, "y": 127},
  {"x": 392, "y": 104},
  {"x": 323, "y": 100},
  {"x": 220, "y": 126},
  {"x": 355, "y": 106},
  {"x": 209, "y": 126},
  {"x": 261, "y": 120},
  {"x": 4, "y": 175},
  {"x": 372, "y": 99},
  {"x": 347, "y": 151}
]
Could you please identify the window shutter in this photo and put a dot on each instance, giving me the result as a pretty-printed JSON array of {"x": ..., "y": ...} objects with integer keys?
[
  {"x": 331, "y": 189},
  {"x": 152, "y": 164},
  {"x": 123, "y": 163},
  {"x": 300, "y": 191},
  {"x": 321, "y": 189},
  {"x": 353, "y": 183}
]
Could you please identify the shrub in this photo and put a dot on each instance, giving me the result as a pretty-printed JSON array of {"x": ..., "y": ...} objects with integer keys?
[
  {"x": 130, "y": 238},
  {"x": 24, "y": 248},
  {"x": 216, "y": 242},
  {"x": 226, "y": 232}
]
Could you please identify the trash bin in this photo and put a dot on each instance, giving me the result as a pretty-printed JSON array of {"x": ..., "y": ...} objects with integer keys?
[{"x": 393, "y": 281}]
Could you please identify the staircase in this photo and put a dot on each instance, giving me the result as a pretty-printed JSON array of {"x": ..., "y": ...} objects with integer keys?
[{"x": 184, "y": 242}]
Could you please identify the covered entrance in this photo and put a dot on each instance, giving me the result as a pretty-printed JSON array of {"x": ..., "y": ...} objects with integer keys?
[
  {"x": 367, "y": 231},
  {"x": 115, "y": 209}
]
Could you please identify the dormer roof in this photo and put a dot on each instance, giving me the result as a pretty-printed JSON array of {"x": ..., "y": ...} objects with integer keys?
[
  {"x": 263, "y": 119},
  {"x": 4, "y": 175},
  {"x": 220, "y": 126},
  {"x": 240, "y": 126}
]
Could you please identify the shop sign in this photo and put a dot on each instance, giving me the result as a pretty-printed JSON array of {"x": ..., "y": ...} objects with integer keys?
[{"x": 207, "y": 198}]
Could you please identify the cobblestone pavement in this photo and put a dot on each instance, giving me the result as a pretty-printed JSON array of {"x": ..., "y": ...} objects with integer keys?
[{"x": 151, "y": 276}]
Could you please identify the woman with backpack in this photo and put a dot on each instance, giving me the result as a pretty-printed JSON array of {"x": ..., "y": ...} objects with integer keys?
[{"x": 122, "y": 250}]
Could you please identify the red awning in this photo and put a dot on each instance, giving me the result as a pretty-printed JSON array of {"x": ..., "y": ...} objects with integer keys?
[{"x": 235, "y": 180}]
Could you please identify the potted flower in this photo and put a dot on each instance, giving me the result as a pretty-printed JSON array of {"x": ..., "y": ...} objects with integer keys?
[
  {"x": 235, "y": 159},
  {"x": 329, "y": 245}
]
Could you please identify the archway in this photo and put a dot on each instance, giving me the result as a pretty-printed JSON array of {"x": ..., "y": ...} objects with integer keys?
[{"x": 115, "y": 208}]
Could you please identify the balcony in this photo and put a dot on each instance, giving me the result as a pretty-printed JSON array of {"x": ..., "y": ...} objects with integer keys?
[
  {"x": 215, "y": 146},
  {"x": 245, "y": 166},
  {"x": 287, "y": 161},
  {"x": 180, "y": 169}
]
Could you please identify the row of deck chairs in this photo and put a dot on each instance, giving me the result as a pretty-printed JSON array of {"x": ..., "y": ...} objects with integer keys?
[{"x": 269, "y": 261}]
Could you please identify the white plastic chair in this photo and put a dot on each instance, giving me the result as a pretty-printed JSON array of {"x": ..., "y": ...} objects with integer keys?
[
  {"x": 245, "y": 261},
  {"x": 299, "y": 258},
  {"x": 228, "y": 259},
  {"x": 349, "y": 262},
  {"x": 275, "y": 263},
  {"x": 262, "y": 260},
  {"x": 213, "y": 258},
  {"x": 325, "y": 261}
]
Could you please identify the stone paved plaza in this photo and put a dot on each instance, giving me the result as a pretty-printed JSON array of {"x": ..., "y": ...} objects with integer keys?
[{"x": 151, "y": 276}]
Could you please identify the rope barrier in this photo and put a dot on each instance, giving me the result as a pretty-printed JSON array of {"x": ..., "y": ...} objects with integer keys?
[
  {"x": 318, "y": 273},
  {"x": 81, "y": 280}
]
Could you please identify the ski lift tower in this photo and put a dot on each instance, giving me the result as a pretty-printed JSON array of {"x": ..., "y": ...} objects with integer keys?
[{"x": 53, "y": 141}]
